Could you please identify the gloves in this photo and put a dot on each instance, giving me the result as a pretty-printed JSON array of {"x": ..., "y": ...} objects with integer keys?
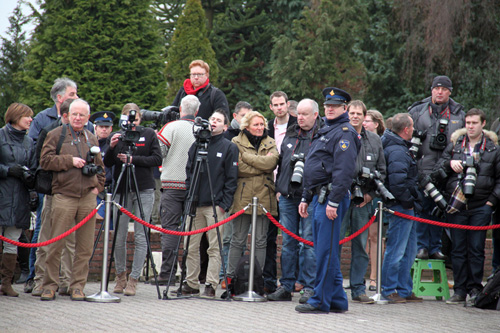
[{"x": 16, "y": 171}]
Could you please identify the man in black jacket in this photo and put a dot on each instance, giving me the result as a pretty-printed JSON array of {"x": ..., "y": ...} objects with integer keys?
[
  {"x": 223, "y": 164},
  {"x": 472, "y": 162},
  {"x": 144, "y": 157}
]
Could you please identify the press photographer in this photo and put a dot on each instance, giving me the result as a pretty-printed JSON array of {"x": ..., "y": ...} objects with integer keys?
[
  {"x": 471, "y": 148},
  {"x": 371, "y": 170},
  {"x": 294, "y": 148},
  {"x": 17, "y": 162},
  {"x": 139, "y": 146},
  {"x": 160, "y": 118}
]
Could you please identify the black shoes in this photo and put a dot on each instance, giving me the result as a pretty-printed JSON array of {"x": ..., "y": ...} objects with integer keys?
[
  {"x": 423, "y": 254},
  {"x": 188, "y": 291},
  {"x": 306, "y": 294},
  {"x": 438, "y": 256},
  {"x": 280, "y": 295},
  {"x": 308, "y": 308},
  {"x": 456, "y": 299},
  {"x": 209, "y": 291}
]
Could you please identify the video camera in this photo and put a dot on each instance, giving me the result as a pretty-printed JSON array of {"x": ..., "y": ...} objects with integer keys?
[
  {"x": 129, "y": 136},
  {"x": 297, "y": 164},
  {"x": 202, "y": 130},
  {"x": 160, "y": 118},
  {"x": 90, "y": 169},
  {"x": 439, "y": 140},
  {"x": 366, "y": 175}
]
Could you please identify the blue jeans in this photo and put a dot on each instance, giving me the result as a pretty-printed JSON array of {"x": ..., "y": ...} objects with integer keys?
[
  {"x": 467, "y": 254},
  {"x": 429, "y": 235},
  {"x": 354, "y": 220},
  {"x": 328, "y": 290},
  {"x": 34, "y": 239},
  {"x": 400, "y": 252},
  {"x": 291, "y": 220}
]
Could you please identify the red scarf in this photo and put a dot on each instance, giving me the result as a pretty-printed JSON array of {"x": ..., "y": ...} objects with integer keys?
[{"x": 190, "y": 90}]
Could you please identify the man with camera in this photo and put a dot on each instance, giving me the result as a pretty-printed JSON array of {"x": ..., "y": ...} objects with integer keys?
[
  {"x": 330, "y": 166},
  {"x": 75, "y": 185},
  {"x": 435, "y": 119},
  {"x": 370, "y": 158},
  {"x": 175, "y": 139},
  {"x": 289, "y": 187},
  {"x": 222, "y": 159},
  {"x": 139, "y": 146},
  {"x": 472, "y": 162}
]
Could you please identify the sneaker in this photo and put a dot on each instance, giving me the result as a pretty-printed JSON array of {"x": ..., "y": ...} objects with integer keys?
[
  {"x": 394, "y": 298},
  {"x": 305, "y": 295},
  {"x": 48, "y": 295},
  {"x": 188, "y": 291},
  {"x": 456, "y": 299},
  {"x": 77, "y": 295},
  {"x": 209, "y": 291},
  {"x": 363, "y": 299},
  {"x": 29, "y": 285},
  {"x": 37, "y": 291},
  {"x": 280, "y": 295},
  {"x": 308, "y": 308},
  {"x": 414, "y": 299}
]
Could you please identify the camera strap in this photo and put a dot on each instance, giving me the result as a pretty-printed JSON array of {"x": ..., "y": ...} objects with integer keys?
[
  {"x": 478, "y": 148},
  {"x": 76, "y": 140}
]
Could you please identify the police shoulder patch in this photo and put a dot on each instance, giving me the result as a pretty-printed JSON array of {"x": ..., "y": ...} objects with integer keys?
[
  {"x": 344, "y": 144},
  {"x": 345, "y": 129}
]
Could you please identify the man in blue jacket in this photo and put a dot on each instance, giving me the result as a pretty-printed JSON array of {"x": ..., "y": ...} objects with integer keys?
[{"x": 401, "y": 181}]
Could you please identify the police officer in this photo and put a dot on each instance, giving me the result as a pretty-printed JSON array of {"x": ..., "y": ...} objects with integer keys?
[
  {"x": 330, "y": 166},
  {"x": 103, "y": 121}
]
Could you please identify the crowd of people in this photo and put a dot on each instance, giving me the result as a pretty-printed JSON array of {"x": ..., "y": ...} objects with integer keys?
[{"x": 321, "y": 177}]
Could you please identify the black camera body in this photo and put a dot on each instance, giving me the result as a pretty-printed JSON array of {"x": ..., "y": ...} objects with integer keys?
[
  {"x": 416, "y": 141},
  {"x": 28, "y": 177},
  {"x": 426, "y": 183},
  {"x": 129, "y": 136},
  {"x": 298, "y": 161},
  {"x": 90, "y": 169},
  {"x": 160, "y": 118},
  {"x": 469, "y": 184},
  {"x": 202, "y": 131},
  {"x": 366, "y": 174},
  {"x": 439, "y": 140}
]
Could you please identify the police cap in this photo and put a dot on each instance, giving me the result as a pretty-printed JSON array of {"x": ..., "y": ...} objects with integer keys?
[
  {"x": 103, "y": 118},
  {"x": 336, "y": 96}
]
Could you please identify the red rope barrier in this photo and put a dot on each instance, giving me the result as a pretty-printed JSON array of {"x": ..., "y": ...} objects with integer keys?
[
  {"x": 444, "y": 224},
  {"x": 55, "y": 239},
  {"x": 305, "y": 241},
  {"x": 181, "y": 233}
]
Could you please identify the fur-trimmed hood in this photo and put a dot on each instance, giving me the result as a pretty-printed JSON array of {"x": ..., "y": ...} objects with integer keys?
[{"x": 463, "y": 131}]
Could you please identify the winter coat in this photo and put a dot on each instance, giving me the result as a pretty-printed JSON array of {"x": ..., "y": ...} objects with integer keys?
[
  {"x": 255, "y": 174},
  {"x": 211, "y": 99},
  {"x": 371, "y": 156},
  {"x": 488, "y": 172},
  {"x": 401, "y": 178},
  {"x": 15, "y": 148}
]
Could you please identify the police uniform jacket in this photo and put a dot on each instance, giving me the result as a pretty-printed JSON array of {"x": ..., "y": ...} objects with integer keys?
[
  {"x": 255, "y": 174},
  {"x": 296, "y": 141},
  {"x": 332, "y": 159},
  {"x": 488, "y": 172},
  {"x": 425, "y": 120},
  {"x": 371, "y": 155},
  {"x": 223, "y": 163},
  {"x": 67, "y": 179},
  {"x": 145, "y": 156},
  {"x": 401, "y": 178}
]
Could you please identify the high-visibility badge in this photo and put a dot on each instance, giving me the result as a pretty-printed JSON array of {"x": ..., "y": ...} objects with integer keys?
[{"x": 344, "y": 144}]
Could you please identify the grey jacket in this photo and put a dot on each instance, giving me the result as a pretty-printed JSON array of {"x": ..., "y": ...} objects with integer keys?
[{"x": 371, "y": 155}]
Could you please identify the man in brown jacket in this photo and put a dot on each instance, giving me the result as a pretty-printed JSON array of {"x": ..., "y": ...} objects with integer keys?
[{"x": 75, "y": 185}]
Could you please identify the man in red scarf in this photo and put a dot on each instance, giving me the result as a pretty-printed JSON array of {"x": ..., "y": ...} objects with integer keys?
[{"x": 198, "y": 84}]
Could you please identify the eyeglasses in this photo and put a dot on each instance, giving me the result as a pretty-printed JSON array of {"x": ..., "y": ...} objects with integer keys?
[
  {"x": 197, "y": 74},
  {"x": 368, "y": 121}
]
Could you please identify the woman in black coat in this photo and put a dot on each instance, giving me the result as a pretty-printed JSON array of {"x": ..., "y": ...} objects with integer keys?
[{"x": 17, "y": 166}]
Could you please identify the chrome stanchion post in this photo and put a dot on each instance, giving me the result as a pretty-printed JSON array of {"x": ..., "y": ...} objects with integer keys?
[
  {"x": 378, "y": 296},
  {"x": 103, "y": 296},
  {"x": 250, "y": 295}
]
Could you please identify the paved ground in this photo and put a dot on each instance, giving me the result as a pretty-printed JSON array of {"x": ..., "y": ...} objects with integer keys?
[{"x": 145, "y": 312}]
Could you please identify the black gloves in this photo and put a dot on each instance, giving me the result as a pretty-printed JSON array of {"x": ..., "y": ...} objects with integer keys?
[{"x": 16, "y": 171}]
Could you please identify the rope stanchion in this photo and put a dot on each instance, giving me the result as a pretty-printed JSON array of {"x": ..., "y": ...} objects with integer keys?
[
  {"x": 442, "y": 224},
  {"x": 55, "y": 239},
  {"x": 180, "y": 233}
]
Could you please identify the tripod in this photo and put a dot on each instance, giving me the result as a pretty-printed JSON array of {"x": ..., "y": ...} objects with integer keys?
[
  {"x": 201, "y": 166},
  {"x": 128, "y": 170}
]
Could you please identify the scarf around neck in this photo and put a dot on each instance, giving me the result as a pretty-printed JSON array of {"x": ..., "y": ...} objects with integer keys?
[{"x": 190, "y": 90}]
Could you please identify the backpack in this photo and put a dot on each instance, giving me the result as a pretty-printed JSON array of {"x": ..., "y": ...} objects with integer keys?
[
  {"x": 43, "y": 178},
  {"x": 241, "y": 277},
  {"x": 488, "y": 298}
]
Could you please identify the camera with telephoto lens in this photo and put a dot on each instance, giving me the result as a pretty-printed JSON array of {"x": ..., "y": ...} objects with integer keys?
[
  {"x": 160, "y": 118},
  {"x": 416, "y": 141},
  {"x": 439, "y": 140},
  {"x": 297, "y": 164},
  {"x": 28, "y": 177},
  {"x": 357, "y": 196},
  {"x": 202, "y": 130},
  {"x": 469, "y": 184},
  {"x": 375, "y": 176},
  {"x": 90, "y": 169},
  {"x": 129, "y": 136},
  {"x": 426, "y": 183},
  {"x": 33, "y": 201}
]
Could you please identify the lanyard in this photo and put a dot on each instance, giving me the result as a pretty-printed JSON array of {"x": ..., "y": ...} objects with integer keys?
[{"x": 76, "y": 140}]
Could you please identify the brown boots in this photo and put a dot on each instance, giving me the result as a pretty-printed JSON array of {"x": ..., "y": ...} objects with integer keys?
[
  {"x": 121, "y": 282},
  {"x": 131, "y": 287},
  {"x": 7, "y": 270}
]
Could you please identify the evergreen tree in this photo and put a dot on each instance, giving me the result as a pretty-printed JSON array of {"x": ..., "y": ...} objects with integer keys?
[
  {"x": 190, "y": 42},
  {"x": 320, "y": 52},
  {"x": 12, "y": 55},
  {"x": 111, "y": 48}
]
